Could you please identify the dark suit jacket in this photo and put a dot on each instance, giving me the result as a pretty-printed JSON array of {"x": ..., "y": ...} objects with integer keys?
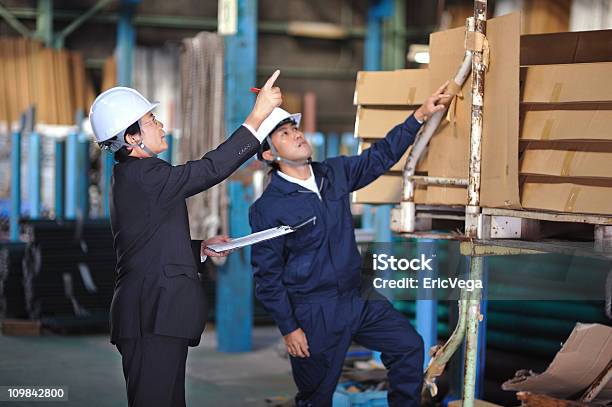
[{"x": 158, "y": 290}]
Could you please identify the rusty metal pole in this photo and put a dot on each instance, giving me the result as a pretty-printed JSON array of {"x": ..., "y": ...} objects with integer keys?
[
  {"x": 471, "y": 337},
  {"x": 472, "y": 211}
]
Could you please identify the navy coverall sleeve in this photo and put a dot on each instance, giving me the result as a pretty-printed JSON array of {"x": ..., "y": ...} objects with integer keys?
[
  {"x": 169, "y": 184},
  {"x": 268, "y": 264},
  {"x": 373, "y": 162}
]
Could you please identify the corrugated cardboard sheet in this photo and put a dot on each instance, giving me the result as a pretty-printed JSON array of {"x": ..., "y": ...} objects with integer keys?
[
  {"x": 499, "y": 176},
  {"x": 386, "y": 189},
  {"x": 567, "y": 194},
  {"x": 373, "y": 122},
  {"x": 449, "y": 148},
  {"x": 582, "y": 358},
  {"x": 385, "y": 99},
  {"x": 567, "y": 112},
  {"x": 571, "y": 124},
  {"x": 563, "y": 159},
  {"x": 399, "y": 166},
  {"x": 401, "y": 87}
]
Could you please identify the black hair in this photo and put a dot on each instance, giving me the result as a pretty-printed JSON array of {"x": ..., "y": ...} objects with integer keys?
[{"x": 123, "y": 153}]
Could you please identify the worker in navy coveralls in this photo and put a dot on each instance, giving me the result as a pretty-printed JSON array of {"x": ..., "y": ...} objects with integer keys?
[
  {"x": 309, "y": 280},
  {"x": 158, "y": 307}
]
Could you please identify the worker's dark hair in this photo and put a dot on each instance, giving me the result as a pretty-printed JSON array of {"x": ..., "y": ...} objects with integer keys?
[{"x": 123, "y": 153}]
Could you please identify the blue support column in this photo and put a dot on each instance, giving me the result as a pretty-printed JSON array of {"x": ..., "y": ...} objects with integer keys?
[
  {"x": 15, "y": 185},
  {"x": 34, "y": 162},
  {"x": 426, "y": 306},
  {"x": 317, "y": 142},
  {"x": 377, "y": 10},
  {"x": 235, "y": 281},
  {"x": 83, "y": 176},
  {"x": 126, "y": 40},
  {"x": 332, "y": 145},
  {"x": 72, "y": 179},
  {"x": 59, "y": 179}
]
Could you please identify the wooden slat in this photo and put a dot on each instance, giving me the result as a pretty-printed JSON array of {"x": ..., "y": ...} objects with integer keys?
[{"x": 4, "y": 114}]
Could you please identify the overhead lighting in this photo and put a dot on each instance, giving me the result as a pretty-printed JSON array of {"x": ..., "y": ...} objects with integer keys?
[
  {"x": 421, "y": 57},
  {"x": 418, "y": 53}
]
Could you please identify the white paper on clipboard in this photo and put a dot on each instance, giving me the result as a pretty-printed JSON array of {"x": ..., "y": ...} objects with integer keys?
[{"x": 258, "y": 237}]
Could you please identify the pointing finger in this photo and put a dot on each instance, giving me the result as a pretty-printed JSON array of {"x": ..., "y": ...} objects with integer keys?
[
  {"x": 272, "y": 79},
  {"x": 441, "y": 88}
]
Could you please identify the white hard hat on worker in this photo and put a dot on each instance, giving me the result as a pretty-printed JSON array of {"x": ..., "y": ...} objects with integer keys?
[
  {"x": 119, "y": 109},
  {"x": 293, "y": 150}
]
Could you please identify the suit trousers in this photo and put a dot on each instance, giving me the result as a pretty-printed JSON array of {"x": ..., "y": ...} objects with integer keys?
[{"x": 154, "y": 370}]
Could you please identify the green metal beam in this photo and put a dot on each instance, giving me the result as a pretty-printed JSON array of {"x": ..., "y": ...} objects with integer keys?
[
  {"x": 13, "y": 22},
  {"x": 44, "y": 22},
  {"x": 61, "y": 36},
  {"x": 309, "y": 73},
  {"x": 195, "y": 23}
]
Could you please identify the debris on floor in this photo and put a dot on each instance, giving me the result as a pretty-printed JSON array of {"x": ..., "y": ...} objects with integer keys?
[{"x": 581, "y": 371}]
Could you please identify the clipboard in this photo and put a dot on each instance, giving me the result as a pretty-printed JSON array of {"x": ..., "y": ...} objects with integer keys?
[{"x": 258, "y": 237}]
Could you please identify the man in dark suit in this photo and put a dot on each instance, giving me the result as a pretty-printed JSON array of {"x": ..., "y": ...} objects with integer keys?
[{"x": 158, "y": 305}]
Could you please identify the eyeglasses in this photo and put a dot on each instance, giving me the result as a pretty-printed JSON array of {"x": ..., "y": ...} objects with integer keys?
[{"x": 154, "y": 120}]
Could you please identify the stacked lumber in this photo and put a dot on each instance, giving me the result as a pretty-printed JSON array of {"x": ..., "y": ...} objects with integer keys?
[{"x": 54, "y": 81}]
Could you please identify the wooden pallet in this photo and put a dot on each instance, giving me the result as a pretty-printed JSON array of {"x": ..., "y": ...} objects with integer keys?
[
  {"x": 519, "y": 224},
  {"x": 21, "y": 327},
  {"x": 534, "y": 225}
]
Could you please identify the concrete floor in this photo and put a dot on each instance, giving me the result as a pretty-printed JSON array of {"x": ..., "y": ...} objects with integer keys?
[{"x": 91, "y": 368}]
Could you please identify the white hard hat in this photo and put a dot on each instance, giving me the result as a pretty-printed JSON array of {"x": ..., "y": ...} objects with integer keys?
[
  {"x": 278, "y": 115},
  {"x": 115, "y": 110}
]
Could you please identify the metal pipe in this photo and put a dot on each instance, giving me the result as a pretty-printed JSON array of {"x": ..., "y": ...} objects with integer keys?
[
  {"x": 443, "y": 354},
  {"x": 407, "y": 205},
  {"x": 478, "y": 83},
  {"x": 418, "y": 179},
  {"x": 13, "y": 22},
  {"x": 471, "y": 340}
]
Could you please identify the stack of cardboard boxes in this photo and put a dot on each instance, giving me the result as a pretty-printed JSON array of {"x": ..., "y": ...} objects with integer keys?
[
  {"x": 384, "y": 100},
  {"x": 547, "y": 138},
  {"x": 566, "y": 122}
]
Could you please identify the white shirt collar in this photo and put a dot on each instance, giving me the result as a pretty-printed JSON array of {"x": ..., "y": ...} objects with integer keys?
[{"x": 310, "y": 183}]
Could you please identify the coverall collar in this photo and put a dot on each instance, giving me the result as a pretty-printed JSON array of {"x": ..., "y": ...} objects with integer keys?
[{"x": 320, "y": 172}]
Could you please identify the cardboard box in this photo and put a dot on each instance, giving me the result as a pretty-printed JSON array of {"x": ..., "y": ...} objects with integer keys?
[
  {"x": 585, "y": 160},
  {"x": 449, "y": 148},
  {"x": 569, "y": 195},
  {"x": 399, "y": 166},
  {"x": 566, "y": 48},
  {"x": 386, "y": 190},
  {"x": 569, "y": 92},
  {"x": 567, "y": 83},
  {"x": 593, "y": 124},
  {"x": 375, "y": 122},
  {"x": 401, "y": 87},
  {"x": 582, "y": 358}
]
